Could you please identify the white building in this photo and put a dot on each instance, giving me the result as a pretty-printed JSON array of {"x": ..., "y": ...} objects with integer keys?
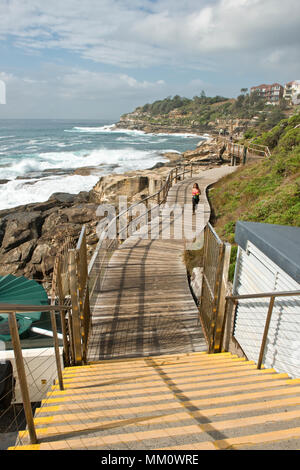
[
  {"x": 268, "y": 261},
  {"x": 292, "y": 91}
]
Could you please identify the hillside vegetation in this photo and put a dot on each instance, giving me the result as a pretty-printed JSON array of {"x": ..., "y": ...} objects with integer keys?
[
  {"x": 203, "y": 112},
  {"x": 267, "y": 191}
]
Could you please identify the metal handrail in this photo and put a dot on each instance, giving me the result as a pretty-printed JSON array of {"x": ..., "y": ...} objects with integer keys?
[
  {"x": 288, "y": 293},
  {"x": 11, "y": 311},
  {"x": 166, "y": 186},
  {"x": 272, "y": 295},
  {"x": 144, "y": 200},
  {"x": 11, "y": 308}
]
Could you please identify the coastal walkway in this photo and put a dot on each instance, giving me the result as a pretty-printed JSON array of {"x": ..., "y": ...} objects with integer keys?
[
  {"x": 149, "y": 383},
  {"x": 145, "y": 306}
]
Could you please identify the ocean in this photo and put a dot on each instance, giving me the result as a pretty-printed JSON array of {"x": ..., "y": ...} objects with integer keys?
[{"x": 39, "y": 157}]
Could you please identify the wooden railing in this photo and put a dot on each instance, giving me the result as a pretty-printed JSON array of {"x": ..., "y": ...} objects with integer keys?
[
  {"x": 239, "y": 154},
  {"x": 78, "y": 284},
  {"x": 106, "y": 246},
  {"x": 216, "y": 258}
]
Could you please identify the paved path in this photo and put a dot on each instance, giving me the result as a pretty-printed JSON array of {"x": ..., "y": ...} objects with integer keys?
[{"x": 146, "y": 306}]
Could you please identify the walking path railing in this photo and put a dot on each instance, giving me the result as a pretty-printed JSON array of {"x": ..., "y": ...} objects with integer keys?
[
  {"x": 77, "y": 283},
  {"x": 234, "y": 299},
  {"x": 120, "y": 229},
  {"x": 11, "y": 311},
  {"x": 239, "y": 153},
  {"x": 216, "y": 259}
]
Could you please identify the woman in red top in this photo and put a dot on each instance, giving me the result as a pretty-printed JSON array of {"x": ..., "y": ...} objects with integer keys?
[{"x": 196, "y": 196}]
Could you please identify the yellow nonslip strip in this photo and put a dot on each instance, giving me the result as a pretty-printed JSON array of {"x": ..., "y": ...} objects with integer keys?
[
  {"x": 152, "y": 373},
  {"x": 259, "y": 438},
  {"x": 122, "y": 362},
  {"x": 47, "y": 409},
  {"x": 53, "y": 400},
  {"x": 43, "y": 420},
  {"x": 166, "y": 367},
  {"x": 30, "y": 447}
]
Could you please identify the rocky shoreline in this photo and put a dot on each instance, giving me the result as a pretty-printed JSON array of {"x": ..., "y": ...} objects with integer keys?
[{"x": 30, "y": 235}]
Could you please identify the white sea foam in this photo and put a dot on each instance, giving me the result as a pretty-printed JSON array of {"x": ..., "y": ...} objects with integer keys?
[
  {"x": 92, "y": 129},
  {"x": 126, "y": 158},
  {"x": 17, "y": 192},
  {"x": 133, "y": 132}
]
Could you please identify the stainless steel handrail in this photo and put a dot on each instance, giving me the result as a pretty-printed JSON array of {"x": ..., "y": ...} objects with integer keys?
[
  {"x": 164, "y": 189},
  {"x": 11, "y": 311},
  {"x": 272, "y": 295}
]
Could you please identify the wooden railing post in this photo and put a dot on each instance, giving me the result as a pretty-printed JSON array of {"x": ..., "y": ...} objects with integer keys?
[
  {"x": 76, "y": 324},
  {"x": 56, "y": 349},
  {"x": 13, "y": 326},
  {"x": 221, "y": 312}
]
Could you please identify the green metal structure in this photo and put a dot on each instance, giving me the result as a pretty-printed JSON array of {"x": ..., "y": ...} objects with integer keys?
[{"x": 20, "y": 291}]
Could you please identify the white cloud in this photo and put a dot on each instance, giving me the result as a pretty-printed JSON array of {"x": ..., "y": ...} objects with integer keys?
[
  {"x": 76, "y": 90},
  {"x": 143, "y": 33},
  {"x": 191, "y": 41}
]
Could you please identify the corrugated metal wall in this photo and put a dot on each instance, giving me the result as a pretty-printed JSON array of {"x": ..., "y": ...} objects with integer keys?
[{"x": 256, "y": 273}]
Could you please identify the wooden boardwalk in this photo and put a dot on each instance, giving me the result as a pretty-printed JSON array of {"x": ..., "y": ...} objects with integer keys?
[
  {"x": 173, "y": 396},
  {"x": 145, "y": 306}
]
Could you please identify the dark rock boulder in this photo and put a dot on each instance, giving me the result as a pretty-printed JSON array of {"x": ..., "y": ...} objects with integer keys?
[{"x": 20, "y": 228}]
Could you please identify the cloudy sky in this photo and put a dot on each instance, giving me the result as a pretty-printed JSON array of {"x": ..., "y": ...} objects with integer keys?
[{"x": 101, "y": 58}]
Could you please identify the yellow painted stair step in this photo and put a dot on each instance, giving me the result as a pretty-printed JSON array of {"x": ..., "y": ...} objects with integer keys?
[
  {"x": 166, "y": 393},
  {"x": 150, "y": 388}
]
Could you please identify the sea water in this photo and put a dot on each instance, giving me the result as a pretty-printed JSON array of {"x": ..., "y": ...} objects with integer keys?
[{"x": 39, "y": 157}]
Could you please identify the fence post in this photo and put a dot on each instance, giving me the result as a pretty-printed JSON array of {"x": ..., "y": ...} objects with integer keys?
[
  {"x": 221, "y": 310},
  {"x": 76, "y": 326},
  {"x": 83, "y": 289},
  {"x": 266, "y": 330},
  {"x": 245, "y": 155},
  {"x": 57, "y": 282},
  {"x": 216, "y": 293},
  {"x": 56, "y": 349},
  {"x": 13, "y": 326}
]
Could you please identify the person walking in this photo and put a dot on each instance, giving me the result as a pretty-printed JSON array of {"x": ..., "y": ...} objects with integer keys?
[{"x": 196, "y": 196}]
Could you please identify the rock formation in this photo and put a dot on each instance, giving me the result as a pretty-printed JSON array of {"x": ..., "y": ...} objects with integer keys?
[{"x": 31, "y": 235}]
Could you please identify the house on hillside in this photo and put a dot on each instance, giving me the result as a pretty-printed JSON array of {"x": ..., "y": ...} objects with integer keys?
[
  {"x": 271, "y": 93},
  {"x": 292, "y": 91}
]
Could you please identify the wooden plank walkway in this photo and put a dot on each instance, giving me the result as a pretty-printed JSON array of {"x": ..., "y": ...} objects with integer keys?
[
  {"x": 178, "y": 399},
  {"x": 145, "y": 306}
]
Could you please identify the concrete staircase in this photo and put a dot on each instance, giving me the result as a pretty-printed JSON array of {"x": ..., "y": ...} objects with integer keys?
[{"x": 185, "y": 401}]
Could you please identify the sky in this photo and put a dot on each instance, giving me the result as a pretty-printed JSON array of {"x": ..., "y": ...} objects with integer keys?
[{"x": 98, "y": 59}]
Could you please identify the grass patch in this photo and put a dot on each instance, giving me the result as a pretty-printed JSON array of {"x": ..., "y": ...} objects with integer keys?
[{"x": 267, "y": 191}]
